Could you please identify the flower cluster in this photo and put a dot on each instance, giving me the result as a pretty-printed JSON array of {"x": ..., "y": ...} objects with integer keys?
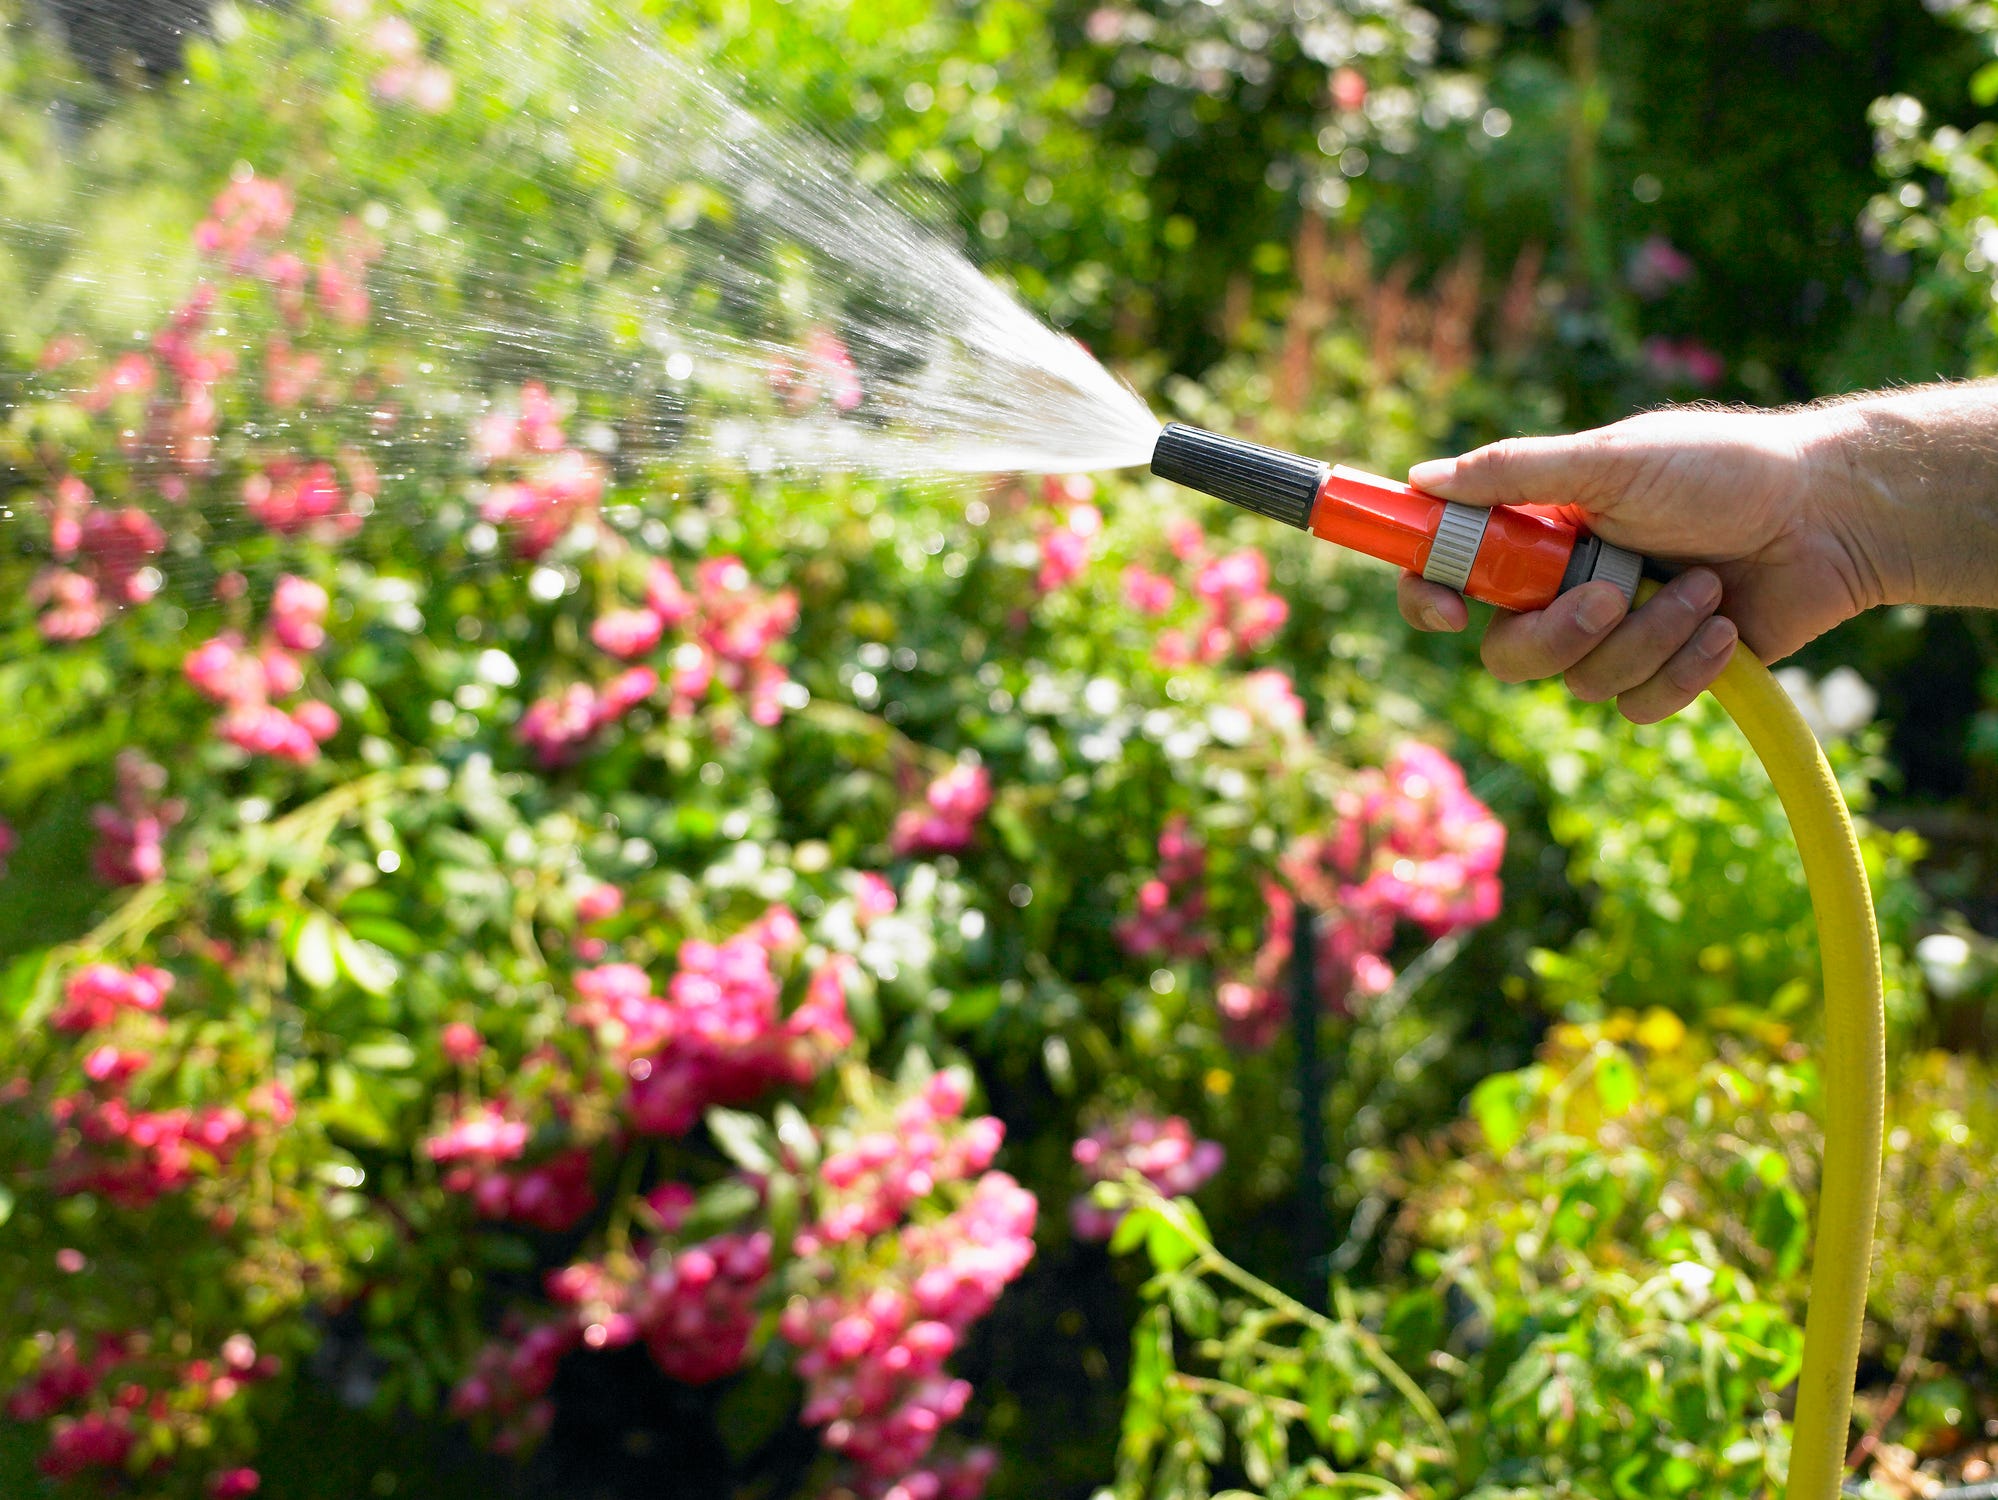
[
  {"x": 719, "y": 1035},
  {"x": 405, "y": 74},
  {"x": 694, "y": 1309},
  {"x": 133, "y": 1157},
  {"x": 1683, "y": 362},
  {"x": 506, "y": 1390},
  {"x": 130, "y": 830},
  {"x": 872, "y": 1352},
  {"x": 947, "y": 818},
  {"x": 1066, "y": 542},
  {"x": 869, "y": 1183},
  {"x": 1172, "y": 904},
  {"x": 553, "y": 486},
  {"x": 1238, "y": 611},
  {"x": 291, "y": 494},
  {"x": 1411, "y": 843},
  {"x": 98, "y": 1405},
  {"x": 1163, "y": 1152},
  {"x": 96, "y": 994},
  {"x": 732, "y": 630},
  {"x": 245, "y": 681},
  {"x": 730, "y": 633},
  {"x": 557, "y": 728},
  {"x": 103, "y": 561},
  {"x": 476, "y": 1147},
  {"x": 698, "y": 1306}
]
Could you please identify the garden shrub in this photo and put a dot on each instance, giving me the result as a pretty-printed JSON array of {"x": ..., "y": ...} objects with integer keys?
[{"x": 505, "y": 867}]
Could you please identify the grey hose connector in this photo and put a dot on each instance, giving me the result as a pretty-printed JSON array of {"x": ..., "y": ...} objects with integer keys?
[{"x": 1594, "y": 558}]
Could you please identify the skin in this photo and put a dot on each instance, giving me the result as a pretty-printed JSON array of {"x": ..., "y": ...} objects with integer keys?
[{"x": 1787, "y": 523}]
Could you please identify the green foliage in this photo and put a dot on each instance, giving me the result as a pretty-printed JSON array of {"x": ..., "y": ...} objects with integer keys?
[{"x": 1696, "y": 895}]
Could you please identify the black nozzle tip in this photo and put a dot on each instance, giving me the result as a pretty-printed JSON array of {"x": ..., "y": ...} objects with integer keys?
[{"x": 1282, "y": 486}]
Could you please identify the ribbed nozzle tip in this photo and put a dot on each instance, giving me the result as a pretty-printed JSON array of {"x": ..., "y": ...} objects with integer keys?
[{"x": 1282, "y": 486}]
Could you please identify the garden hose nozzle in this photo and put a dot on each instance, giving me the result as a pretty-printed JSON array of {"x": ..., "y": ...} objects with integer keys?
[{"x": 1502, "y": 555}]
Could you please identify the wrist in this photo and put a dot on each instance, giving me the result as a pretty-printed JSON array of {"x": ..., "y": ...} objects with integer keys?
[{"x": 1854, "y": 499}]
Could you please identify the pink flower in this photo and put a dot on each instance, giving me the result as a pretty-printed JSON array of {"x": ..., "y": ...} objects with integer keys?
[
  {"x": 626, "y": 633},
  {"x": 482, "y": 1137},
  {"x": 665, "y": 596},
  {"x": 599, "y": 902},
  {"x": 1163, "y": 1152},
  {"x": 1148, "y": 593},
  {"x": 298, "y": 613},
  {"x": 952, "y": 806},
  {"x": 672, "y": 1202},
  {"x": 217, "y": 669},
  {"x": 97, "y": 993},
  {"x": 1171, "y": 907},
  {"x": 244, "y": 220},
  {"x": 1272, "y": 702},
  {"x": 1684, "y": 362},
  {"x": 1065, "y": 547},
  {"x": 287, "y": 497},
  {"x": 873, "y": 898},
  {"x": 1656, "y": 266},
  {"x": 235, "y": 1484},
  {"x": 460, "y": 1042},
  {"x": 129, "y": 831},
  {"x": 1187, "y": 540},
  {"x": 74, "y": 611},
  {"x": 828, "y": 374}
]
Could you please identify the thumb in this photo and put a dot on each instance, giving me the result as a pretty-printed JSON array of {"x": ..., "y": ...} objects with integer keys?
[{"x": 1514, "y": 471}]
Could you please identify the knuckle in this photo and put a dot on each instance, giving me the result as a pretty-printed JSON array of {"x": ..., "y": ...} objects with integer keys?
[
  {"x": 1585, "y": 685},
  {"x": 1499, "y": 660}
]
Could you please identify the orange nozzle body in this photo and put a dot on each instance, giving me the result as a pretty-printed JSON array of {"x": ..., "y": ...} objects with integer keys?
[{"x": 1519, "y": 565}]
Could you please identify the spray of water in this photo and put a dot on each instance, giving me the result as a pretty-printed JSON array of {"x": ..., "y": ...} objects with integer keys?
[{"x": 750, "y": 303}]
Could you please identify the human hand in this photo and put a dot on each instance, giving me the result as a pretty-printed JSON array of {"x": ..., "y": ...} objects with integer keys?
[{"x": 1758, "y": 501}]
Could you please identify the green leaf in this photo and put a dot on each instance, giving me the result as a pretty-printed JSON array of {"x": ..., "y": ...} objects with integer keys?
[
  {"x": 368, "y": 966},
  {"x": 1131, "y": 1231},
  {"x": 1616, "y": 1083},
  {"x": 312, "y": 951},
  {"x": 1194, "y": 1306},
  {"x": 384, "y": 1052},
  {"x": 744, "y": 1139},
  {"x": 1984, "y": 85},
  {"x": 1168, "y": 1245},
  {"x": 718, "y": 1209},
  {"x": 1495, "y": 1106},
  {"x": 796, "y": 1136}
]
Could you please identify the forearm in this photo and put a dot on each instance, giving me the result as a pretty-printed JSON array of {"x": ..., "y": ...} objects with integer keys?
[{"x": 1909, "y": 481}]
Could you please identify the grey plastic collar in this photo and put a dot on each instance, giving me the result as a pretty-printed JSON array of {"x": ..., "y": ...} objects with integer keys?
[
  {"x": 1620, "y": 566},
  {"x": 1455, "y": 550}
]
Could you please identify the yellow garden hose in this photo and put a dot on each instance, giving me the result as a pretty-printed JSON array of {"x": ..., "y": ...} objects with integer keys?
[{"x": 1855, "y": 1065}]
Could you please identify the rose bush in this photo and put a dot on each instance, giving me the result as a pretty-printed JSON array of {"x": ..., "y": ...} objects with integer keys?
[{"x": 543, "y": 900}]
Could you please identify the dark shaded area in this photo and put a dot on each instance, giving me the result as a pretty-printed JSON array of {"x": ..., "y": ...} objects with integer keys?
[{"x": 110, "y": 36}]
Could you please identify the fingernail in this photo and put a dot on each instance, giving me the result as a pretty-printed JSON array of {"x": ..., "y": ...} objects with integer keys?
[
  {"x": 1432, "y": 618},
  {"x": 1432, "y": 472},
  {"x": 1715, "y": 639},
  {"x": 1700, "y": 589},
  {"x": 1598, "y": 609}
]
